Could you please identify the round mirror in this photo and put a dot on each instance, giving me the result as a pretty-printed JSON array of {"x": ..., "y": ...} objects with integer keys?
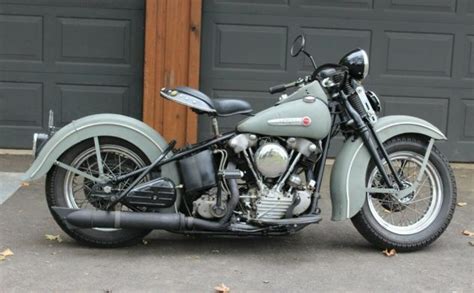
[{"x": 298, "y": 46}]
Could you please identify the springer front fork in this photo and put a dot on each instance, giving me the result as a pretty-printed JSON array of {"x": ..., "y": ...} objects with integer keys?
[{"x": 396, "y": 187}]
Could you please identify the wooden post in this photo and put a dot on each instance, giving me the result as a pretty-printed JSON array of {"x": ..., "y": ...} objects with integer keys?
[{"x": 172, "y": 58}]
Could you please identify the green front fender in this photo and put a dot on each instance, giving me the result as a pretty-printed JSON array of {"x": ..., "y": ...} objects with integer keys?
[
  {"x": 349, "y": 171},
  {"x": 134, "y": 131}
]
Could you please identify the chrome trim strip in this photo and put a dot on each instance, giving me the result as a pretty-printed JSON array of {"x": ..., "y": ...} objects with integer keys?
[{"x": 347, "y": 180}]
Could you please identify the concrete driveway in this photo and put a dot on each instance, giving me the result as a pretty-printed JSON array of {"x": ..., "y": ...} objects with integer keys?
[{"x": 329, "y": 257}]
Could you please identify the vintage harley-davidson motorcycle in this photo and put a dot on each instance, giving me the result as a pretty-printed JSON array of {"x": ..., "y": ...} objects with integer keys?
[{"x": 111, "y": 179}]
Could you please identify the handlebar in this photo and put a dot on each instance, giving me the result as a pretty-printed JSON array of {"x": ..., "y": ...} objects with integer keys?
[
  {"x": 284, "y": 86},
  {"x": 278, "y": 88}
]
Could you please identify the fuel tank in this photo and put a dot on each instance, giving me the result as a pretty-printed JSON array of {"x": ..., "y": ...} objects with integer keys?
[{"x": 307, "y": 117}]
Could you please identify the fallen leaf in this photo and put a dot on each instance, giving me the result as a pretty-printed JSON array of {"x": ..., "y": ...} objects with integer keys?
[
  {"x": 222, "y": 288},
  {"x": 468, "y": 233},
  {"x": 471, "y": 242},
  {"x": 462, "y": 204},
  {"x": 25, "y": 184},
  {"x": 390, "y": 252},
  {"x": 7, "y": 252},
  {"x": 53, "y": 237}
]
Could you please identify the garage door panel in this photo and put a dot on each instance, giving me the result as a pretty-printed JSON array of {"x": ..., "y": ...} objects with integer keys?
[
  {"x": 19, "y": 104},
  {"x": 222, "y": 53},
  {"x": 101, "y": 41},
  {"x": 91, "y": 99},
  {"x": 115, "y": 4},
  {"x": 407, "y": 53},
  {"x": 469, "y": 59},
  {"x": 360, "y": 4},
  {"x": 21, "y": 38},
  {"x": 424, "y": 5},
  {"x": 252, "y": 2},
  {"x": 246, "y": 47},
  {"x": 401, "y": 105},
  {"x": 470, "y": 6},
  {"x": 468, "y": 125}
]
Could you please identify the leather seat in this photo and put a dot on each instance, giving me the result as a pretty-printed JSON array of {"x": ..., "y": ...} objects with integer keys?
[
  {"x": 229, "y": 107},
  {"x": 223, "y": 107}
]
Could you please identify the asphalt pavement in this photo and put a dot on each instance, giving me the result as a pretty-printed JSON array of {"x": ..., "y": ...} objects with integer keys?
[{"x": 328, "y": 257}]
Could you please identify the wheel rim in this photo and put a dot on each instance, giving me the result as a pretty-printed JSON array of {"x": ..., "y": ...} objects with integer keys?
[
  {"x": 419, "y": 209},
  {"x": 117, "y": 160}
]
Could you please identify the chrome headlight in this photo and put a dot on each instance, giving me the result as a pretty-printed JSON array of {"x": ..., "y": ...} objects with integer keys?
[{"x": 357, "y": 61}]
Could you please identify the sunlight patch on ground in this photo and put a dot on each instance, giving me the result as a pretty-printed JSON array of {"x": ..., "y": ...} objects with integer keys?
[{"x": 10, "y": 182}]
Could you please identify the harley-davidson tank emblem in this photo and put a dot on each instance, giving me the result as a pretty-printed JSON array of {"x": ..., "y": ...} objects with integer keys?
[{"x": 290, "y": 121}]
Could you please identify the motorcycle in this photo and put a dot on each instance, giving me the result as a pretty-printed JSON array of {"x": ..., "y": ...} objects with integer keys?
[{"x": 111, "y": 179}]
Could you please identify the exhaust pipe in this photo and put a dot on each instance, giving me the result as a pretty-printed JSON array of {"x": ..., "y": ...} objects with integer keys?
[{"x": 82, "y": 218}]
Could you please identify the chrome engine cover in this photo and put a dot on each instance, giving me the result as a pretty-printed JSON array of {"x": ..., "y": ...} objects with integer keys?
[{"x": 271, "y": 159}]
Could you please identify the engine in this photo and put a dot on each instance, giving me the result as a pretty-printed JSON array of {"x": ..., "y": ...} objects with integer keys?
[
  {"x": 281, "y": 189},
  {"x": 276, "y": 186}
]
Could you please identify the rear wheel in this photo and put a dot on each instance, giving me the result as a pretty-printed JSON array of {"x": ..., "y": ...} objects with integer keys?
[
  {"x": 67, "y": 189},
  {"x": 421, "y": 217}
]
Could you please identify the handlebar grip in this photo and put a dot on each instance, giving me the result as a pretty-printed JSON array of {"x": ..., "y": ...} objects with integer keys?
[{"x": 277, "y": 88}]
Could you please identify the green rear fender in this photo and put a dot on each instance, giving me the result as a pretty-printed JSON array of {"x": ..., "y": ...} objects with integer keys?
[
  {"x": 349, "y": 171},
  {"x": 134, "y": 131}
]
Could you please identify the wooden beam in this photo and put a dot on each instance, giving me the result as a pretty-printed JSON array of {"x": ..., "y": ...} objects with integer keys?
[
  {"x": 194, "y": 64},
  {"x": 172, "y": 58}
]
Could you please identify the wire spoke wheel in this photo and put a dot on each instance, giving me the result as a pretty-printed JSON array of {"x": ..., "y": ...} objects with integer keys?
[
  {"x": 416, "y": 211},
  {"x": 419, "y": 218},
  {"x": 103, "y": 157},
  {"x": 82, "y": 193}
]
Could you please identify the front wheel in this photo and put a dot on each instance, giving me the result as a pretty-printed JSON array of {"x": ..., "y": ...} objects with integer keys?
[{"x": 421, "y": 217}]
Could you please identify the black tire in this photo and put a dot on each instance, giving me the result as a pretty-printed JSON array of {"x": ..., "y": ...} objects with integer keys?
[
  {"x": 55, "y": 197},
  {"x": 383, "y": 238}
]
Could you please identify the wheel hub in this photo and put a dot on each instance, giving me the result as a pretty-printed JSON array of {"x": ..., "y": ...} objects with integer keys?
[
  {"x": 107, "y": 189},
  {"x": 400, "y": 204}
]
